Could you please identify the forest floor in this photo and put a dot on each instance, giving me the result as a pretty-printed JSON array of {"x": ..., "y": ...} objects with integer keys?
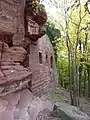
[{"x": 61, "y": 95}]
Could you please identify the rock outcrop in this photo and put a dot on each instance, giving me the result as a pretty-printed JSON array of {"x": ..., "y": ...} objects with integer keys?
[
  {"x": 21, "y": 42},
  {"x": 22, "y": 105},
  {"x": 68, "y": 112},
  {"x": 62, "y": 111},
  {"x": 46, "y": 114},
  {"x": 20, "y": 67},
  {"x": 13, "y": 76},
  {"x": 35, "y": 17}
]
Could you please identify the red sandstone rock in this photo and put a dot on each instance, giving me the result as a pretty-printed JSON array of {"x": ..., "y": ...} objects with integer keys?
[
  {"x": 41, "y": 17},
  {"x": 7, "y": 13},
  {"x": 13, "y": 26},
  {"x": 4, "y": 47},
  {"x": 13, "y": 76},
  {"x": 4, "y": 52},
  {"x": 18, "y": 54},
  {"x": 34, "y": 21},
  {"x": 22, "y": 105},
  {"x": 33, "y": 30},
  {"x": 1, "y": 74}
]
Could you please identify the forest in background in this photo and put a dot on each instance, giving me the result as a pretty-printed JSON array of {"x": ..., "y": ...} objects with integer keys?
[{"x": 68, "y": 27}]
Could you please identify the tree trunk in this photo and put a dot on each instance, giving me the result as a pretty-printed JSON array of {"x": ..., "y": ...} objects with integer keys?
[
  {"x": 70, "y": 77},
  {"x": 80, "y": 79},
  {"x": 61, "y": 78},
  {"x": 80, "y": 69},
  {"x": 85, "y": 78},
  {"x": 75, "y": 81},
  {"x": 88, "y": 71}
]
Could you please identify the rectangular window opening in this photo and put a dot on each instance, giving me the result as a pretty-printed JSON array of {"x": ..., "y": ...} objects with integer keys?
[
  {"x": 46, "y": 58},
  {"x": 51, "y": 61},
  {"x": 40, "y": 57}
]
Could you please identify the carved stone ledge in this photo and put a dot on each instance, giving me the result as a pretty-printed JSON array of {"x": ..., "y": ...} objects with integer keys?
[
  {"x": 34, "y": 22},
  {"x": 33, "y": 30}
]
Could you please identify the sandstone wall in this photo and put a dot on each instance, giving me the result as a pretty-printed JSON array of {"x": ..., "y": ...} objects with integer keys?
[
  {"x": 13, "y": 24},
  {"x": 42, "y": 72},
  {"x": 8, "y": 16},
  {"x": 12, "y": 19}
]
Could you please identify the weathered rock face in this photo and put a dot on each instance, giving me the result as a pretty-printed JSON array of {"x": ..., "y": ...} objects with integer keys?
[
  {"x": 26, "y": 61},
  {"x": 68, "y": 112},
  {"x": 62, "y": 111},
  {"x": 23, "y": 49},
  {"x": 41, "y": 65},
  {"x": 13, "y": 76},
  {"x": 8, "y": 16},
  {"x": 12, "y": 20},
  {"x": 15, "y": 54},
  {"x": 21, "y": 106},
  {"x": 36, "y": 11},
  {"x": 34, "y": 21},
  {"x": 46, "y": 114},
  {"x": 22, "y": 54},
  {"x": 18, "y": 54}
]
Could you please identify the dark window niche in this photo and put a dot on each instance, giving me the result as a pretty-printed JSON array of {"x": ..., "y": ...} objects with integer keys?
[
  {"x": 10, "y": 44},
  {"x": 46, "y": 58},
  {"x": 26, "y": 62},
  {"x": 51, "y": 61},
  {"x": 40, "y": 57},
  {"x": 28, "y": 49},
  {"x": 30, "y": 85}
]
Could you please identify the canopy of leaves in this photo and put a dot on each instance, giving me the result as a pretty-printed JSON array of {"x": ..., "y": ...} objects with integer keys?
[
  {"x": 53, "y": 33},
  {"x": 71, "y": 22}
]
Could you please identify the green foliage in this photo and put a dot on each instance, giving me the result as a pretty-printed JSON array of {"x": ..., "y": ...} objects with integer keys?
[
  {"x": 41, "y": 7},
  {"x": 52, "y": 32},
  {"x": 54, "y": 36},
  {"x": 73, "y": 22},
  {"x": 36, "y": 6}
]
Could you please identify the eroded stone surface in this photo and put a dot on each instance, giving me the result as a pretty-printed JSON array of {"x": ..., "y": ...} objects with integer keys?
[
  {"x": 13, "y": 76},
  {"x": 15, "y": 54},
  {"x": 22, "y": 105},
  {"x": 20, "y": 46},
  {"x": 18, "y": 54},
  {"x": 46, "y": 115},
  {"x": 68, "y": 112}
]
